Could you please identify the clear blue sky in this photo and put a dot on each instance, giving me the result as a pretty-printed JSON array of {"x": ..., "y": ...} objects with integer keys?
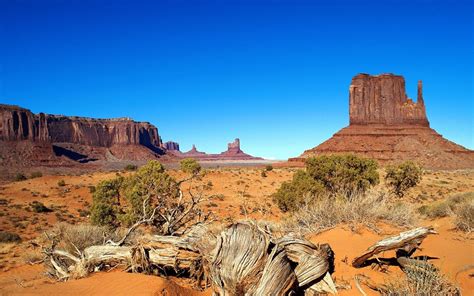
[{"x": 273, "y": 73}]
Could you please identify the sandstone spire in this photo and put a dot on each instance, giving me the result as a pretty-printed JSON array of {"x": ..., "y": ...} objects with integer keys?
[
  {"x": 381, "y": 99},
  {"x": 419, "y": 99}
]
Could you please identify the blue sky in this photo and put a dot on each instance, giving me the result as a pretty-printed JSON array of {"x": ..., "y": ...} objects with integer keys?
[{"x": 273, "y": 73}]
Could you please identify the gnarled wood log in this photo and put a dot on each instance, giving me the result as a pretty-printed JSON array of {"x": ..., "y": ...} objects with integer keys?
[
  {"x": 248, "y": 261},
  {"x": 243, "y": 260},
  {"x": 405, "y": 243}
]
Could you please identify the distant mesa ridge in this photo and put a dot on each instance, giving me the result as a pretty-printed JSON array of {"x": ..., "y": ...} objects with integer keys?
[
  {"x": 17, "y": 123},
  {"x": 42, "y": 138},
  {"x": 385, "y": 124},
  {"x": 30, "y": 139}
]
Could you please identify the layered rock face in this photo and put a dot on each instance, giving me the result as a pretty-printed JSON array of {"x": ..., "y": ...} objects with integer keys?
[
  {"x": 80, "y": 138},
  {"x": 171, "y": 146},
  {"x": 388, "y": 126},
  {"x": 102, "y": 132},
  {"x": 382, "y": 99},
  {"x": 17, "y": 124}
]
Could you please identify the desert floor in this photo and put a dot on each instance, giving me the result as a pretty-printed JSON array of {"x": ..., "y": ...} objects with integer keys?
[{"x": 239, "y": 193}]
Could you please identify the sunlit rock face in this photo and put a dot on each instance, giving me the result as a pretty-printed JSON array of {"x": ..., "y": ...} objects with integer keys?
[{"x": 386, "y": 125}]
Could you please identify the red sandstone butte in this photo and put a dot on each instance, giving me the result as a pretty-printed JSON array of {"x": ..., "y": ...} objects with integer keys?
[
  {"x": 34, "y": 139},
  {"x": 386, "y": 125},
  {"x": 233, "y": 152}
]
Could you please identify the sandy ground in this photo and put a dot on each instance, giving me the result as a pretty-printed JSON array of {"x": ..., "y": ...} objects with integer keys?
[{"x": 239, "y": 193}]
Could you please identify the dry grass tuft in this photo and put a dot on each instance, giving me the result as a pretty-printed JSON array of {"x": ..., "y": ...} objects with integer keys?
[
  {"x": 33, "y": 256},
  {"x": 361, "y": 209},
  {"x": 464, "y": 219},
  {"x": 74, "y": 238},
  {"x": 421, "y": 281},
  {"x": 460, "y": 206}
]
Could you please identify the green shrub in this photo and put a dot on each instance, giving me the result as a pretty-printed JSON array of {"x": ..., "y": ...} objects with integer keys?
[
  {"x": 91, "y": 189},
  {"x": 20, "y": 177},
  {"x": 151, "y": 181},
  {"x": 130, "y": 167},
  {"x": 61, "y": 183},
  {"x": 105, "y": 202},
  {"x": 124, "y": 201},
  {"x": 268, "y": 167},
  {"x": 103, "y": 214},
  {"x": 400, "y": 178},
  {"x": 36, "y": 175},
  {"x": 39, "y": 207},
  {"x": 9, "y": 237},
  {"x": 190, "y": 166},
  {"x": 300, "y": 190},
  {"x": 347, "y": 174}
]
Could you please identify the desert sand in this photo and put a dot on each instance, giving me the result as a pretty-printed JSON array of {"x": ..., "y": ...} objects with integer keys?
[{"x": 241, "y": 193}]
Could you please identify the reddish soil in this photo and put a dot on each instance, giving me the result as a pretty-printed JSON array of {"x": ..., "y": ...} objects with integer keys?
[{"x": 240, "y": 193}]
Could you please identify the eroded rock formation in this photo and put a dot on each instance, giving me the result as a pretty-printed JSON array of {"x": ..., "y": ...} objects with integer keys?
[
  {"x": 171, "y": 146},
  {"x": 17, "y": 124},
  {"x": 382, "y": 99},
  {"x": 386, "y": 125},
  {"x": 233, "y": 152}
]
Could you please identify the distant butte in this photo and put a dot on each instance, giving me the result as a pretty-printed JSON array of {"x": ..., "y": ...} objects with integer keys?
[
  {"x": 233, "y": 152},
  {"x": 386, "y": 125}
]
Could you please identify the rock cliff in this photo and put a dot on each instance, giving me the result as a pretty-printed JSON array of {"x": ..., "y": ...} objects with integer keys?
[
  {"x": 17, "y": 124},
  {"x": 80, "y": 138},
  {"x": 382, "y": 99},
  {"x": 386, "y": 125},
  {"x": 171, "y": 146}
]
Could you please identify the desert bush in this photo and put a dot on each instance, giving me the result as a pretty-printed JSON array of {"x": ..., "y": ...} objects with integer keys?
[
  {"x": 263, "y": 174},
  {"x": 39, "y": 207},
  {"x": 9, "y": 237},
  {"x": 402, "y": 177},
  {"x": 302, "y": 189},
  {"x": 36, "y": 175},
  {"x": 20, "y": 177},
  {"x": 435, "y": 210},
  {"x": 91, "y": 189},
  {"x": 343, "y": 173},
  {"x": 190, "y": 166},
  {"x": 456, "y": 205},
  {"x": 366, "y": 209},
  {"x": 61, "y": 183},
  {"x": 420, "y": 281},
  {"x": 152, "y": 183},
  {"x": 464, "y": 219},
  {"x": 106, "y": 202},
  {"x": 269, "y": 167},
  {"x": 151, "y": 193},
  {"x": 130, "y": 167}
]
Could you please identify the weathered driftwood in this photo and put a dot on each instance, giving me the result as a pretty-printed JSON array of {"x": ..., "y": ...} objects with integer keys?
[
  {"x": 163, "y": 252},
  {"x": 248, "y": 261},
  {"x": 405, "y": 243},
  {"x": 243, "y": 260}
]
